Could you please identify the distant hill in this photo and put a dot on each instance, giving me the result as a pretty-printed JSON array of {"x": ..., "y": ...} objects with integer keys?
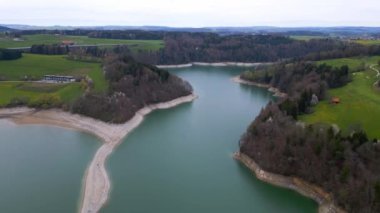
[
  {"x": 335, "y": 31},
  {"x": 2, "y": 29}
]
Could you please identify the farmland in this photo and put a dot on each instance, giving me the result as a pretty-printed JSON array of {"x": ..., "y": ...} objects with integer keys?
[
  {"x": 34, "y": 67},
  {"x": 29, "y": 40},
  {"x": 360, "y": 100}
]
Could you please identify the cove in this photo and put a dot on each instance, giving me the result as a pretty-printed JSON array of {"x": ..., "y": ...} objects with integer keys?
[
  {"x": 180, "y": 160},
  {"x": 42, "y": 167}
]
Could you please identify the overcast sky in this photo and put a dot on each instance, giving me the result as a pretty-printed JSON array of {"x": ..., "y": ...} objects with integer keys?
[{"x": 192, "y": 13}]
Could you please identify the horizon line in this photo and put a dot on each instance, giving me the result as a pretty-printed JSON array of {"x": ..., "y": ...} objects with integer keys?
[{"x": 194, "y": 27}]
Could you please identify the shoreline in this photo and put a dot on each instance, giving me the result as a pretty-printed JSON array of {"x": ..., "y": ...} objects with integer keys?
[
  {"x": 215, "y": 64},
  {"x": 96, "y": 187},
  {"x": 277, "y": 92},
  {"x": 324, "y": 199}
]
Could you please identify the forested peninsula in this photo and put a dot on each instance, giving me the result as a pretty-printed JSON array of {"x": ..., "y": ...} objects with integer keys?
[
  {"x": 344, "y": 165},
  {"x": 132, "y": 86}
]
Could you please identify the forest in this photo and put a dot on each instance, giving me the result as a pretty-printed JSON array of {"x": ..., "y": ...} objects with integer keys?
[
  {"x": 183, "y": 48},
  {"x": 209, "y": 47},
  {"x": 344, "y": 165}
]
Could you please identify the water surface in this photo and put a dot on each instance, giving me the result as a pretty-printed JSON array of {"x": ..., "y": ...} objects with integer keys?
[
  {"x": 42, "y": 168},
  {"x": 180, "y": 160}
]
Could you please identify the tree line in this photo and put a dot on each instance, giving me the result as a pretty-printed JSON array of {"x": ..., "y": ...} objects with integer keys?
[
  {"x": 7, "y": 54},
  {"x": 109, "y": 34},
  {"x": 49, "y": 49}
]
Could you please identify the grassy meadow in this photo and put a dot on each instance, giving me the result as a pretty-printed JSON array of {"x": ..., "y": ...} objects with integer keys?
[
  {"x": 29, "y": 40},
  {"x": 368, "y": 42},
  {"x": 360, "y": 100},
  {"x": 67, "y": 93},
  {"x": 35, "y": 67}
]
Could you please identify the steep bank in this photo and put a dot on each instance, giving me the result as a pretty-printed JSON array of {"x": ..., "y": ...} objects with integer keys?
[
  {"x": 96, "y": 182},
  {"x": 325, "y": 201}
]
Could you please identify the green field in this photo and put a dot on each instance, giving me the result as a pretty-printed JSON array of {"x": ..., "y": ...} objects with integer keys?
[
  {"x": 368, "y": 42},
  {"x": 29, "y": 40},
  {"x": 35, "y": 67},
  {"x": 306, "y": 38},
  {"x": 360, "y": 100},
  {"x": 353, "y": 63},
  {"x": 33, "y": 91}
]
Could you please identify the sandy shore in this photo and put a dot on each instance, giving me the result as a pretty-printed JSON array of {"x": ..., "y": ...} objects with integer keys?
[
  {"x": 276, "y": 91},
  {"x": 96, "y": 183},
  {"x": 218, "y": 64},
  {"x": 324, "y": 199}
]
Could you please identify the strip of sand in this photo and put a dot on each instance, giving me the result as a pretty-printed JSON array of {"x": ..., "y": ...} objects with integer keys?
[
  {"x": 277, "y": 92},
  {"x": 96, "y": 183},
  {"x": 324, "y": 199}
]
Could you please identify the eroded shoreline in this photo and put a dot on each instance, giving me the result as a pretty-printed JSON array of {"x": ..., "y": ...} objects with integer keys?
[
  {"x": 324, "y": 199},
  {"x": 97, "y": 185}
]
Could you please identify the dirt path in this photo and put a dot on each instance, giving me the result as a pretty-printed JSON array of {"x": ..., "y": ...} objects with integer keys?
[{"x": 372, "y": 67}]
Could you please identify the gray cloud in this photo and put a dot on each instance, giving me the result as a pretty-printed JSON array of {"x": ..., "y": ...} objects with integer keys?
[{"x": 195, "y": 13}]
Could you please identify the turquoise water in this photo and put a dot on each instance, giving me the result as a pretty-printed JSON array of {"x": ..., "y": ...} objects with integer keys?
[
  {"x": 180, "y": 160},
  {"x": 42, "y": 168}
]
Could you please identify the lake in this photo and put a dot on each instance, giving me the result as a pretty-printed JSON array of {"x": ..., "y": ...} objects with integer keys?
[
  {"x": 42, "y": 168},
  {"x": 180, "y": 159}
]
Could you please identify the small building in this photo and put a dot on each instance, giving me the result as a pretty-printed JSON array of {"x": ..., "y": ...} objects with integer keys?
[
  {"x": 335, "y": 100},
  {"x": 67, "y": 43},
  {"x": 314, "y": 100},
  {"x": 58, "y": 79}
]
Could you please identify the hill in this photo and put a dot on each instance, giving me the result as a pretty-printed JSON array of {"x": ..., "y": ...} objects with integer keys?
[
  {"x": 2, "y": 29},
  {"x": 336, "y": 31}
]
